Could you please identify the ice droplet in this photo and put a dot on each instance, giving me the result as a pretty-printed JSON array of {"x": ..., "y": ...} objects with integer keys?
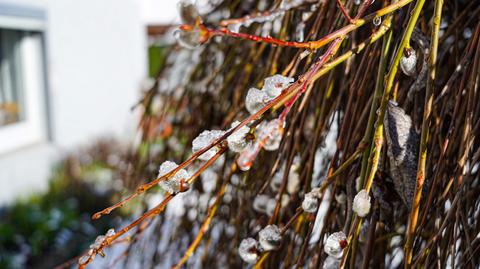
[
  {"x": 172, "y": 184},
  {"x": 335, "y": 244},
  {"x": 248, "y": 250},
  {"x": 188, "y": 39},
  {"x": 270, "y": 237},
  {"x": 377, "y": 21},
  {"x": 408, "y": 64},
  {"x": 237, "y": 141},
  {"x": 361, "y": 203},
  {"x": 203, "y": 140}
]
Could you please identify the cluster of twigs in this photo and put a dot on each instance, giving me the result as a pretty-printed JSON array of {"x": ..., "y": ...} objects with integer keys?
[{"x": 347, "y": 77}]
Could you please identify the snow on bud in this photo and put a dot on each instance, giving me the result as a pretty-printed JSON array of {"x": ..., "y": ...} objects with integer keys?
[
  {"x": 275, "y": 84},
  {"x": 205, "y": 139},
  {"x": 260, "y": 203},
  {"x": 270, "y": 132},
  {"x": 408, "y": 62},
  {"x": 361, "y": 203},
  {"x": 248, "y": 250},
  {"x": 270, "y": 238},
  {"x": 335, "y": 244},
  {"x": 255, "y": 100},
  {"x": 237, "y": 141},
  {"x": 310, "y": 201},
  {"x": 173, "y": 184}
]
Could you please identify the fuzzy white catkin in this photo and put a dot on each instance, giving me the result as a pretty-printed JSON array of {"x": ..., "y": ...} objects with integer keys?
[
  {"x": 361, "y": 203},
  {"x": 310, "y": 203},
  {"x": 335, "y": 244},
  {"x": 331, "y": 263},
  {"x": 248, "y": 250},
  {"x": 409, "y": 64},
  {"x": 270, "y": 237}
]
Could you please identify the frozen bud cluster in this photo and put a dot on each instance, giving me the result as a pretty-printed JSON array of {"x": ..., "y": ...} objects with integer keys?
[
  {"x": 270, "y": 237},
  {"x": 272, "y": 87},
  {"x": 173, "y": 184},
  {"x": 270, "y": 133},
  {"x": 361, "y": 203},
  {"x": 255, "y": 100},
  {"x": 310, "y": 201},
  {"x": 237, "y": 141},
  {"x": 275, "y": 84},
  {"x": 335, "y": 244},
  {"x": 96, "y": 247},
  {"x": 248, "y": 250},
  {"x": 260, "y": 203},
  {"x": 408, "y": 63},
  {"x": 205, "y": 139}
]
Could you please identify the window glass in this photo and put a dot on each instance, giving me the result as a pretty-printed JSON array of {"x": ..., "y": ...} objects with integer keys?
[{"x": 12, "y": 108}]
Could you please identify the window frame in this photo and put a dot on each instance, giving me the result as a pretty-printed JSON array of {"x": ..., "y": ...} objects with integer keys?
[{"x": 33, "y": 128}]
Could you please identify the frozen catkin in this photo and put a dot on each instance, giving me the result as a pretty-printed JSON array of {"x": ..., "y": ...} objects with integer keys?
[
  {"x": 96, "y": 248},
  {"x": 270, "y": 237},
  {"x": 174, "y": 183},
  {"x": 275, "y": 84},
  {"x": 361, "y": 203},
  {"x": 248, "y": 250},
  {"x": 402, "y": 150},
  {"x": 335, "y": 244},
  {"x": 310, "y": 201},
  {"x": 205, "y": 139},
  {"x": 237, "y": 141}
]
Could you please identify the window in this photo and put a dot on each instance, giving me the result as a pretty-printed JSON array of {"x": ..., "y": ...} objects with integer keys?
[{"x": 22, "y": 80}]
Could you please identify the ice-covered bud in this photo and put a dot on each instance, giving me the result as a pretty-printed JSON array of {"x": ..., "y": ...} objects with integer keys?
[
  {"x": 310, "y": 201},
  {"x": 272, "y": 203},
  {"x": 188, "y": 12},
  {"x": 408, "y": 62},
  {"x": 270, "y": 238},
  {"x": 173, "y": 184},
  {"x": 260, "y": 203},
  {"x": 270, "y": 132},
  {"x": 237, "y": 141},
  {"x": 361, "y": 203},
  {"x": 98, "y": 242},
  {"x": 247, "y": 156},
  {"x": 189, "y": 39},
  {"x": 248, "y": 250},
  {"x": 275, "y": 84},
  {"x": 276, "y": 181},
  {"x": 335, "y": 244},
  {"x": 205, "y": 139},
  {"x": 84, "y": 259},
  {"x": 341, "y": 198},
  {"x": 256, "y": 100},
  {"x": 293, "y": 184},
  {"x": 110, "y": 233},
  {"x": 331, "y": 263}
]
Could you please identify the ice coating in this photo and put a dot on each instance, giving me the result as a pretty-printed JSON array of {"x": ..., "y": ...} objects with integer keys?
[
  {"x": 270, "y": 133},
  {"x": 237, "y": 141},
  {"x": 335, "y": 244},
  {"x": 310, "y": 203},
  {"x": 255, "y": 100},
  {"x": 270, "y": 237},
  {"x": 361, "y": 203},
  {"x": 275, "y": 84},
  {"x": 248, "y": 250},
  {"x": 203, "y": 140},
  {"x": 173, "y": 184}
]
